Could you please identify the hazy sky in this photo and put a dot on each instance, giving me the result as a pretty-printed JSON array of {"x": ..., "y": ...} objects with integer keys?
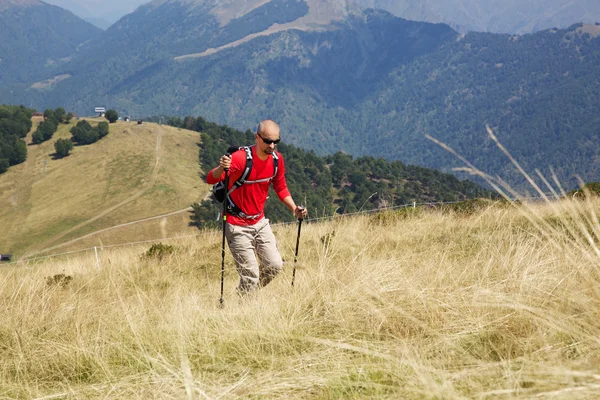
[{"x": 109, "y": 10}]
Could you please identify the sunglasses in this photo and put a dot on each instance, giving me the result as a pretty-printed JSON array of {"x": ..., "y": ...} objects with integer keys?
[{"x": 269, "y": 141}]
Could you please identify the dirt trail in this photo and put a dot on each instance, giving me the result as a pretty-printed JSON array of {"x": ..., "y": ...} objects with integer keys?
[
  {"x": 113, "y": 227},
  {"x": 120, "y": 226},
  {"x": 113, "y": 208}
]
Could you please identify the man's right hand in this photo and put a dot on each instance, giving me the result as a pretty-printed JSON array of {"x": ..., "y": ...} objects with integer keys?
[{"x": 225, "y": 161}]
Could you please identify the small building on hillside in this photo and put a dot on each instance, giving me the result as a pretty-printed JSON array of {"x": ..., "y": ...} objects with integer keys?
[{"x": 101, "y": 111}]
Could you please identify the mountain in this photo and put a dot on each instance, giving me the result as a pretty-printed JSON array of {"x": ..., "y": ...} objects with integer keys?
[
  {"x": 37, "y": 39},
  {"x": 98, "y": 22},
  {"x": 337, "y": 78},
  {"x": 100, "y": 13},
  {"x": 507, "y": 16}
]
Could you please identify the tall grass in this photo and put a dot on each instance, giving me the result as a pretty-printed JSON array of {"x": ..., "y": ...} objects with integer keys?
[{"x": 497, "y": 303}]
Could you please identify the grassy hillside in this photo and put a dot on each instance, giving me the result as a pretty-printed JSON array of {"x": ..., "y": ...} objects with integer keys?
[
  {"x": 502, "y": 303},
  {"x": 137, "y": 171}
]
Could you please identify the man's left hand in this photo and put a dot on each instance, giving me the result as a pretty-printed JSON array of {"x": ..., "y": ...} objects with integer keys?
[{"x": 300, "y": 212}]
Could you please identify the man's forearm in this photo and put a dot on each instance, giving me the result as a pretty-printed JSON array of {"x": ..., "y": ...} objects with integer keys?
[
  {"x": 217, "y": 172},
  {"x": 289, "y": 203}
]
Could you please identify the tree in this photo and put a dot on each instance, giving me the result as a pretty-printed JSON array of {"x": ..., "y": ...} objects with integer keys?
[
  {"x": 49, "y": 114},
  {"x": 20, "y": 152},
  {"x": 112, "y": 116},
  {"x": 63, "y": 146},
  {"x": 83, "y": 133},
  {"x": 205, "y": 214},
  {"x": 60, "y": 114},
  {"x": 37, "y": 137},
  {"x": 4, "y": 164},
  {"x": 44, "y": 131},
  {"x": 102, "y": 129},
  {"x": 15, "y": 122}
]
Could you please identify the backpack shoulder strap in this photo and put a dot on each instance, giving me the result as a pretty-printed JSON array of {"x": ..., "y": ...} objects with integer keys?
[
  {"x": 275, "y": 163},
  {"x": 244, "y": 177}
]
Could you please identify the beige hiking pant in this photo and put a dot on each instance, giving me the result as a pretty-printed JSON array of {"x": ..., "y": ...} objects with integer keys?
[{"x": 246, "y": 243}]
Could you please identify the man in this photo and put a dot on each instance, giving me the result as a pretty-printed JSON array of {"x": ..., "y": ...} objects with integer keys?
[{"x": 246, "y": 229}]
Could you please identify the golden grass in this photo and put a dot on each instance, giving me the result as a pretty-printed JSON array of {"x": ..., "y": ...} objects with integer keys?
[
  {"x": 137, "y": 171},
  {"x": 502, "y": 303}
]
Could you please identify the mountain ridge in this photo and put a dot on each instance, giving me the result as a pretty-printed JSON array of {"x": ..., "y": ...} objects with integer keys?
[
  {"x": 508, "y": 16},
  {"x": 7, "y": 4},
  {"x": 42, "y": 37}
]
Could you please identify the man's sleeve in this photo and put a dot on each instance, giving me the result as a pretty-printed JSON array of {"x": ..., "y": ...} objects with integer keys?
[
  {"x": 279, "y": 182},
  {"x": 211, "y": 180},
  {"x": 238, "y": 162}
]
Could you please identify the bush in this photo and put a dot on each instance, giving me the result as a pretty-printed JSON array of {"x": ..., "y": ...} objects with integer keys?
[
  {"x": 205, "y": 214},
  {"x": 61, "y": 280},
  {"x": 60, "y": 114},
  {"x": 83, "y": 133},
  {"x": 84, "y": 136},
  {"x": 49, "y": 114},
  {"x": 44, "y": 131},
  {"x": 102, "y": 129},
  {"x": 63, "y": 147},
  {"x": 159, "y": 251},
  {"x": 37, "y": 137},
  {"x": 4, "y": 164},
  {"x": 19, "y": 153},
  {"x": 390, "y": 217},
  {"x": 112, "y": 116}
]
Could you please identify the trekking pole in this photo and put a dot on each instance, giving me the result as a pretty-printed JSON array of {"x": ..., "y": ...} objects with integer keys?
[
  {"x": 297, "y": 246},
  {"x": 224, "y": 216}
]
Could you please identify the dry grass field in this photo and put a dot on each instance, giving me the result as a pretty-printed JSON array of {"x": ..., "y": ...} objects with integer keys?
[
  {"x": 499, "y": 303},
  {"x": 135, "y": 172}
]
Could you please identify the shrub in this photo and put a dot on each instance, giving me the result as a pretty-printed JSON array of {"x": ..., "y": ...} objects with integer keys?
[
  {"x": 159, "y": 251},
  {"x": 102, "y": 129},
  {"x": 37, "y": 137},
  {"x": 44, "y": 131},
  {"x": 63, "y": 146},
  {"x": 389, "y": 217},
  {"x": 83, "y": 133},
  {"x": 61, "y": 280},
  {"x": 112, "y": 116},
  {"x": 4, "y": 164}
]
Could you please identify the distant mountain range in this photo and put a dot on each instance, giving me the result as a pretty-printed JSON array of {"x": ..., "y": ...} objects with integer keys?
[
  {"x": 507, "y": 16},
  {"x": 338, "y": 78},
  {"x": 99, "y": 13},
  {"x": 499, "y": 16}
]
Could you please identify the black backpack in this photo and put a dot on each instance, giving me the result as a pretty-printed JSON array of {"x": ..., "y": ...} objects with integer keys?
[{"x": 220, "y": 190}]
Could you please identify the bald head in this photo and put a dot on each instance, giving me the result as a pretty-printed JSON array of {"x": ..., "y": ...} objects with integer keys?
[{"x": 268, "y": 126}]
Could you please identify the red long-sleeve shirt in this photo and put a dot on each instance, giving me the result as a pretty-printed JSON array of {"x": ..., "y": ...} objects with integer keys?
[{"x": 251, "y": 197}]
